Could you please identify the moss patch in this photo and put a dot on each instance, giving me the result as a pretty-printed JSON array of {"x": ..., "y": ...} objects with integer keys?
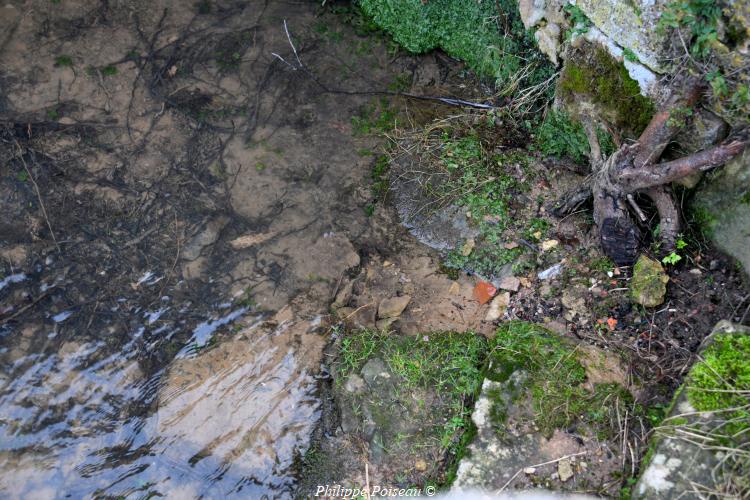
[
  {"x": 560, "y": 136},
  {"x": 718, "y": 381},
  {"x": 591, "y": 73},
  {"x": 423, "y": 411},
  {"x": 555, "y": 381}
]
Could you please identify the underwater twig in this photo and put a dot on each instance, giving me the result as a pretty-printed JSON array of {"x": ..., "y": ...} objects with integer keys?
[
  {"x": 450, "y": 101},
  {"x": 38, "y": 194}
]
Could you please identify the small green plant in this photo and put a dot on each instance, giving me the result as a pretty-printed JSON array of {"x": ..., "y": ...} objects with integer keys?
[
  {"x": 22, "y": 176},
  {"x": 109, "y": 70},
  {"x": 560, "y": 136},
  {"x": 578, "y": 19},
  {"x": 64, "y": 61},
  {"x": 377, "y": 117},
  {"x": 671, "y": 259},
  {"x": 53, "y": 114},
  {"x": 379, "y": 176},
  {"x": 700, "y": 16}
]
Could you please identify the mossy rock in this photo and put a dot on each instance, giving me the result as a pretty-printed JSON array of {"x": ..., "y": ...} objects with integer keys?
[
  {"x": 649, "y": 284},
  {"x": 591, "y": 77},
  {"x": 712, "y": 403}
]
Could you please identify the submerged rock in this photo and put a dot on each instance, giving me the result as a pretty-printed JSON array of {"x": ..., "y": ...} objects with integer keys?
[{"x": 649, "y": 284}]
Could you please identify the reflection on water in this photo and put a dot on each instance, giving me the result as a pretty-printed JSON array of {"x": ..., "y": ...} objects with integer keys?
[{"x": 219, "y": 420}]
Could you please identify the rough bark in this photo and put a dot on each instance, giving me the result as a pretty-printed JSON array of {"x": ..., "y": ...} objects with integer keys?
[{"x": 635, "y": 169}]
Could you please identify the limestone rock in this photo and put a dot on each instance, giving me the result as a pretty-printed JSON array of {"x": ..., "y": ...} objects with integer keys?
[
  {"x": 725, "y": 203},
  {"x": 393, "y": 307},
  {"x": 343, "y": 296},
  {"x": 574, "y": 302},
  {"x": 498, "y": 306},
  {"x": 548, "y": 39},
  {"x": 374, "y": 371},
  {"x": 564, "y": 469},
  {"x": 510, "y": 283},
  {"x": 631, "y": 24},
  {"x": 679, "y": 466},
  {"x": 649, "y": 284},
  {"x": 354, "y": 384}
]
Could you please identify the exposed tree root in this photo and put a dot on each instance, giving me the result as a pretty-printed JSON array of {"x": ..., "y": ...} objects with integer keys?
[{"x": 635, "y": 169}]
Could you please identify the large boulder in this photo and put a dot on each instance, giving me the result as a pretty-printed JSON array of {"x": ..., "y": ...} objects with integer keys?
[
  {"x": 723, "y": 206},
  {"x": 631, "y": 24}
]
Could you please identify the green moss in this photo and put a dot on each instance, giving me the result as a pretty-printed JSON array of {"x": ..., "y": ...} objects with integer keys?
[
  {"x": 377, "y": 117},
  {"x": 446, "y": 365},
  {"x": 109, "y": 70},
  {"x": 484, "y": 184},
  {"x": 554, "y": 379},
  {"x": 489, "y": 36},
  {"x": 718, "y": 381},
  {"x": 560, "y": 136},
  {"x": 592, "y": 73}
]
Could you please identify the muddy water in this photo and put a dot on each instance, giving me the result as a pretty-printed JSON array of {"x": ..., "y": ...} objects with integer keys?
[{"x": 161, "y": 328}]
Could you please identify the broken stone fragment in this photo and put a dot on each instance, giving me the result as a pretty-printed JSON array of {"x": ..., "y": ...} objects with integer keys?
[
  {"x": 549, "y": 245},
  {"x": 354, "y": 384},
  {"x": 393, "y": 307},
  {"x": 468, "y": 247},
  {"x": 343, "y": 295},
  {"x": 510, "y": 283},
  {"x": 498, "y": 306},
  {"x": 564, "y": 469},
  {"x": 649, "y": 284}
]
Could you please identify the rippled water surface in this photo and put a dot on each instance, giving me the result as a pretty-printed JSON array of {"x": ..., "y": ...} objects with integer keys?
[{"x": 161, "y": 325}]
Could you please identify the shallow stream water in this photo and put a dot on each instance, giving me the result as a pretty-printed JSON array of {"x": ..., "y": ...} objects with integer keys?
[{"x": 156, "y": 352}]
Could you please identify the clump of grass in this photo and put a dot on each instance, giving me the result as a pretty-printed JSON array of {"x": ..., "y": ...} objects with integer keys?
[
  {"x": 489, "y": 36},
  {"x": 483, "y": 185},
  {"x": 721, "y": 381},
  {"x": 109, "y": 70},
  {"x": 449, "y": 361},
  {"x": 379, "y": 176},
  {"x": 447, "y": 365}
]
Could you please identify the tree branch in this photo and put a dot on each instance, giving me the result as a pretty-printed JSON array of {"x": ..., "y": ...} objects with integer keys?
[
  {"x": 635, "y": 178},
  {"x": 663, "y": 128}
]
